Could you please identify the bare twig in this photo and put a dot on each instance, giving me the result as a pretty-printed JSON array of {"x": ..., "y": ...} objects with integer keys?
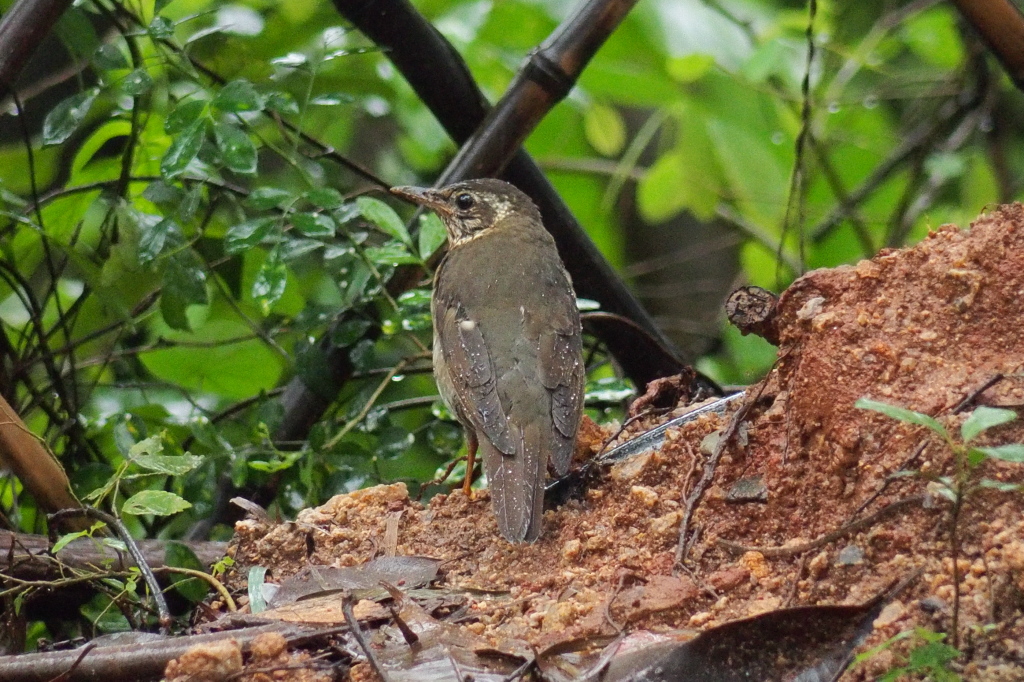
[
  {"x": 133, "y": 549},
  {"x": 973, "y": 396},
  {"x": 135, "y": 661},
  {"x": 357, "y": 632},
  {"x": 912, "y": 144},
  {"x": 30, "y": 558},
  {"x": 795, "y": 210},
  {"x": 683, "y": 545}
]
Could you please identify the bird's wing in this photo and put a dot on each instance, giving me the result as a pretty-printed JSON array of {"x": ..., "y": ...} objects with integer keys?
[
  {"x": 561, "y": 368},
  {"x": 471, "y": 371}
]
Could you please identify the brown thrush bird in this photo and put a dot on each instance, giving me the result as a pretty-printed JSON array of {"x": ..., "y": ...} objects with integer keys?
[{"x": 507, "y": 343}]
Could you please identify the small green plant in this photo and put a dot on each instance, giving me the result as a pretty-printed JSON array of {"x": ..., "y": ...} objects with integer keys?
[
  {"x": 930, "y": 657},
  {"x": 147, "y": 460},
  {"x": 967, "y": 458}
]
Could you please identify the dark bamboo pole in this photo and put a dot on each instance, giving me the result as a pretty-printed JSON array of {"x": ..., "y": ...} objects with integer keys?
[
  {"x": 22, "y": 29},
  {"x": 491, "y": 139},
  {"x": 441, "y": 79}
]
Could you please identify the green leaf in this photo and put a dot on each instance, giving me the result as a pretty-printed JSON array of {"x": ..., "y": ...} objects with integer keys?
[
  {"x": 753, "y": 168},
  {"x": 605, "y": 129},
  {"x": 184, "y": 284},
  {"x": 235, "y": 146},
  {"x": 179, "y": 555},
  {"x": 354, "y": 289},
  {"x": 136, "y": 83},
  {"x": 314, "y": 224},
  {"x": 287, "y": 461},
  {"x": 431, "y": 235},
  {"x": 292, "y": 59},
  {"x": 189, "y": 204},
  {"x": 266, "y": 198},
  {"x": 109, "y": 58},
  {"x": 984, "y": 418},
  {"x": 238, "y": 96},
  {"x": 933, "y": 36},
  {"x": 183, "y": 149},
  {"x": 248, "y": 234},
  {"x": 391, "y": 254},
  {"x": 324, "y": 197},
  {"x": 944, "y": 487},
  {"x": 163, "y": 194},
  {"x": 902, "y": 414},
  {"x": 103, "y": 615},
  {"x": 1001, "y": 486},
  {"x": 153, "y": 445},
  {"x": 414, "y": 310},
  {"x": 673, "y": 184},
  {"x": 690, "y": 68},
  {"x": 184, "y": 115},
  {"x": 161, "y": 28},
  {"x": 608, "y": 390},
  {"x": 281, "y": 103},
  {"x": 1013, "y": 452},
  {"x": 933, "y": 657},
  {"x": 350, "y": 331},
  {"x": 155, "y": 502},
  {"x": 384, "y": 217},
  {"x": 257, "y": 602},
  {"x": 234, "y": 370},
  {"x": 169, "y": 465},
  {"x": 153, "y": 238},
  {"x": 332, "y": 99},
  {"x": 293, "y": 248},
  {"x": 270, "y": 282},
  {"x": 64, "y": 540},
  {"x": 64, "y": 119}
]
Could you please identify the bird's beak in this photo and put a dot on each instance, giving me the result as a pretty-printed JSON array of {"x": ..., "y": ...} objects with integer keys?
[{"x": 423, "y": 196}]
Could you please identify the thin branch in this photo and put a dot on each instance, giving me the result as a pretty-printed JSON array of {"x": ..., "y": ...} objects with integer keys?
[
  {"x": 135, "y": 661},
  {"x": 352, "y": 423},
  {"x": 795, "y": 208},
  {"x": 913, "y": 142},
  {"x": 357, "y": 632},
  {"x": 140, "y": 560}
]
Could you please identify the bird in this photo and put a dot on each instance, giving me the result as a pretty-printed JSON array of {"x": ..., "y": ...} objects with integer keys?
[{"x": 508, "y": 349}]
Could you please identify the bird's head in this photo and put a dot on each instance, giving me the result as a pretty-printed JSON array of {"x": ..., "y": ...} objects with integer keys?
[{"x": 470, "y": 208}]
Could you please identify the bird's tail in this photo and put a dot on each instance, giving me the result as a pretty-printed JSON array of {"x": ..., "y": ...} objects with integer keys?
[{"x": 517, "y": 483}]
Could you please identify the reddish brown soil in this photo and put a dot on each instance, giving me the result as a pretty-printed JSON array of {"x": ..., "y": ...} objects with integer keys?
[{"x": 921, "y": 328}]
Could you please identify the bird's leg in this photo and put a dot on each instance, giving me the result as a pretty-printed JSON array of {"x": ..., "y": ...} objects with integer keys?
[{"x": 471, "y": 445}]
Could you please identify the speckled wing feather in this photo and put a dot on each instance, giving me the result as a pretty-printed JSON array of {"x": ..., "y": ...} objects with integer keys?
[
  {"x": 561, "y": 368},
  {"x": 471, "y": 372}
]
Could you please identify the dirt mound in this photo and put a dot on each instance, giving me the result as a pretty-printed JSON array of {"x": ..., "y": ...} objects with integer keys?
[{"x": 803, "y": 507}]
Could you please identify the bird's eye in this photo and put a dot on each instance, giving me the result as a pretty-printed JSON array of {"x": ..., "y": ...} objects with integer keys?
[{"x": 464, "y": 201}]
